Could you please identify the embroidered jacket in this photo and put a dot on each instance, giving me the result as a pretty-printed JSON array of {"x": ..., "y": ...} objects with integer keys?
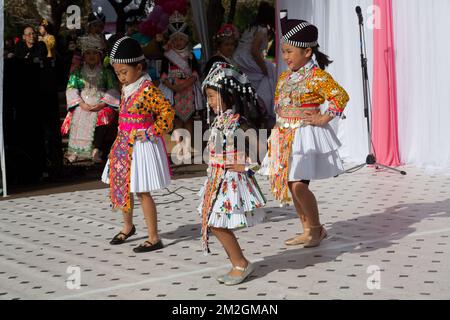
[
  {"x": 307, "y": 89},
  {"x": 224, "y": 149},
  {"x": 105, "y": 85},
  {"x": 100, "y": 86},
  {"x": 147, "y": 109},
  {"x": 297, "y": 93}
]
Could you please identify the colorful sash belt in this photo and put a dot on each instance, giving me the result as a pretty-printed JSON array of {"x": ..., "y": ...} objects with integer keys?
[
  {"x": 280, "y": 146},
  {"x": 121, "y": 156},
  {"x": 296, "y": 112},
  {"x": 129, "y": 122}
]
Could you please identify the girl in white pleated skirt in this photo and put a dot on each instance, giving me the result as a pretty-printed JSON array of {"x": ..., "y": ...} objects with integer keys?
[
  {"x": 138, "y": 161},
  {"x": 303, "y": 146}
]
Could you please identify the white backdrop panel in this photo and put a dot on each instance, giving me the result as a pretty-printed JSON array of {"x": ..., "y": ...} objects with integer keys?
[{"x": 423, "y": 88}]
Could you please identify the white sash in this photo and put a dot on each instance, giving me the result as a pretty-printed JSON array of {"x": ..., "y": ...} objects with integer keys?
[
  {"x": 181, "y": 63},
  {"x": 178, "y": 60}
]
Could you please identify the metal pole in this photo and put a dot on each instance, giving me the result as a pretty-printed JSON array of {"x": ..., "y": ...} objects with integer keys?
[{"x": 2, "y": 145}]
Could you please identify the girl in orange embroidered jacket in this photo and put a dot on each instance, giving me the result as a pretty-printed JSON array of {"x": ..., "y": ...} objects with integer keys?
[
  {"x": 138, "y": 160},
  {"x": 303, "y": 146}
]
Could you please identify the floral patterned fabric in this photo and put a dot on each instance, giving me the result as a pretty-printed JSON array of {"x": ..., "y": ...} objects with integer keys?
[
  {"x": 229, "y": 199},
  {"x": 184, "y": 102}
]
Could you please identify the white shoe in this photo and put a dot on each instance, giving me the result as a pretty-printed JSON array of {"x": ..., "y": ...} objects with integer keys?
[
  {"x": 233, "y": 280},
  {"x": 221, "y": 278}
]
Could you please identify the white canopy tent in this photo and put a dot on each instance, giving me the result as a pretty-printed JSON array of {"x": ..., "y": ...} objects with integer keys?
[{"x": 2, "y": 145}]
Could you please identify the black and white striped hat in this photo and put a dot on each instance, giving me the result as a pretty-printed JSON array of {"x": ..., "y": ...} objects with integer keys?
[
  {"x": 298, "y": 33},
  {"x": 126, "y": 50}
]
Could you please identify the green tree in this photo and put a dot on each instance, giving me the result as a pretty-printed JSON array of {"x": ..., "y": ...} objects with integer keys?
[
  {"x": 124, "y": 13},
  {"x": 232, "y": 11},
  {"x": 215, "y": 17},
  {"x": 19, "y": 13},
  {"x": 240, "y": 12}
]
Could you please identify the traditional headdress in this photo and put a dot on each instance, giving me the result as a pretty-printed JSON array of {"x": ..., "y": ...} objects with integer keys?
[
  {"x": 227, "y": 79},
  {"x": 227, "y": 31},
  {"x": 96, "y": 17},
  {"x": 44, "y": 22},
  {"x": 126, "y": 50},
  {"x": 178, "y": 25},
  {"x": 298, "y": 33},
  {"x": 90, "y": 42}
]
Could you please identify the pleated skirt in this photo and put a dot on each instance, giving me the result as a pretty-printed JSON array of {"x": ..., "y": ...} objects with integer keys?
[
  {"x": 238, "y": 204},
  {"x": 314, "y": 155},
  {"x": 150, "y": 170}
]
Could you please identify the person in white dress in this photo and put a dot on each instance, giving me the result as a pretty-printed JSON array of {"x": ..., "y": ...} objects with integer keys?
[{"x": 250, "y": 58}]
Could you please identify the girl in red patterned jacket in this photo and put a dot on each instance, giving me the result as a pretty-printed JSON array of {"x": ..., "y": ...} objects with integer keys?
[{"x": 138, "y": 160}]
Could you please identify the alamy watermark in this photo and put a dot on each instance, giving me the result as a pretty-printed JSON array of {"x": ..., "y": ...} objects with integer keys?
[
  {"x": 73, "y": 281},
  {"x": 374, "y": 280},
  {"x": 373, "y": 17},
  {"x": 73, "y": 17}
]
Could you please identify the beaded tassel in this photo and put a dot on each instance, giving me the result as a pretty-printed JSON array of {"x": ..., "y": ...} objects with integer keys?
[
  {"x": 212, "y": 187},
  {"x": 279, "y": 170}
]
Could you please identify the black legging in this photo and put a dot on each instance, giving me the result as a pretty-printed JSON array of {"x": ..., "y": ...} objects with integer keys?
[{"x": 99, "y": 136}]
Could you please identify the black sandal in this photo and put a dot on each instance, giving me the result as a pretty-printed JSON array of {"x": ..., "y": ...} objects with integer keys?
[
  {"x": 119, "y": 240},
  {"x": 151, "y": 247}
]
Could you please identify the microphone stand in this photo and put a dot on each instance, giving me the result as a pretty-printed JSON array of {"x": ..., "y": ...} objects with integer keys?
[{"x": 371, "y": 158}]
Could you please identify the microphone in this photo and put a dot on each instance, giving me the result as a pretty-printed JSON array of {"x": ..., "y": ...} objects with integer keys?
[{"x": 359, "y": 13}]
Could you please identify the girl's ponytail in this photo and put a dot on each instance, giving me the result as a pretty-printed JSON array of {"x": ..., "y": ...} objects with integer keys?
[{"x": 322, "y": 59}]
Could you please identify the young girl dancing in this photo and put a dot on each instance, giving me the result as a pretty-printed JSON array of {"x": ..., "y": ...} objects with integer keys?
[
  {"x": 303, "y": 146},
  {"x": 231, "y": 196},
  {"x": 138, "y": 160}
]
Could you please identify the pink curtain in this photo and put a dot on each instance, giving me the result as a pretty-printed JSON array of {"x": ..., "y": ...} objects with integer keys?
[{"x": 384, "y": 93}]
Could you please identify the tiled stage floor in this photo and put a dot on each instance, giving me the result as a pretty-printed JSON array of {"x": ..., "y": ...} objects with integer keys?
[{"x": 399, "y": 225}]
